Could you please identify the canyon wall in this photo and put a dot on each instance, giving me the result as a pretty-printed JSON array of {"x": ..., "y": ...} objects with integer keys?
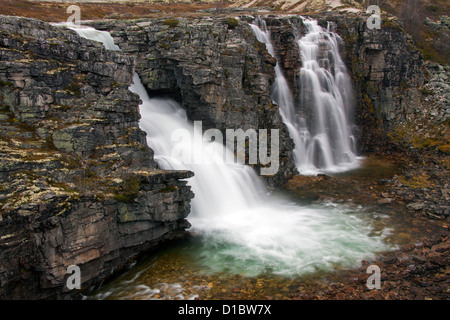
[
  {"x": 79, "y": 184},
  {"x": 215, "y": 68}
]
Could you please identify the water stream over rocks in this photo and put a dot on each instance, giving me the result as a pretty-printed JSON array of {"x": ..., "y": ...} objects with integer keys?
[{"x": 246, "y": 243}]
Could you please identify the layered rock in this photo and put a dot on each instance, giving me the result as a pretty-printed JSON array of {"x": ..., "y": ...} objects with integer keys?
[
  {"x": 215, "y": 68},
  {"x": 387, "y": 70},
  {"x": 79, "y": 184}
]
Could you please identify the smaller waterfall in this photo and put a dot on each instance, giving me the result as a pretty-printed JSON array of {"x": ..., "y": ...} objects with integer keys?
[
  {"x": 326, "y": 94},
  {"x": 320, "y": 126}
]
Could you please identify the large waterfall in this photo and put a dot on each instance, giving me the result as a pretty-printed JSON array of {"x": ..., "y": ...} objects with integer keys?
[
  {"x": 245, "y": 230},
  {"x": 321, "y": 124}
]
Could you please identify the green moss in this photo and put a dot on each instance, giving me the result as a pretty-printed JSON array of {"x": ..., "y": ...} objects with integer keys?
[
  {"x": 164, "y": 45},
  {"x": 226, "y": 53},
  {"x": 432, "y": 8},
  {"x": 48, "y": 144},
  {"x": 70, "y": 161},
  {"x": 130, "y": 189},
  {"x": 426, "y": 91},
  {"x": 368, "y": 103},
  {"x": 232, "y": 23},
  {"x": 23, "y": 126},
  {"x": 124, "y": 197},
  {"x": 445, "y": 148},
  {"x": 424, "y": 143},
  {"x": 391, "y": 24},
  {"x": 73, "y": 88},
  {"x": 172, "y": 23},
  {"x": 168, "y": 189},
  {"x": 421, "y": 136},
  {"x": 431, "y": 54},
  {"x": 403, "y": 86},
  {"x": 6, "y": 84},
  {"x": 416, "y": 182}
]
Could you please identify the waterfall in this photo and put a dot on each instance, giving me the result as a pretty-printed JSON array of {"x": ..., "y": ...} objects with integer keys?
[
  {"x": 320, "y": 125},
  {"x": 219, "y": 187},
  {"x": 244, "y": 230}
]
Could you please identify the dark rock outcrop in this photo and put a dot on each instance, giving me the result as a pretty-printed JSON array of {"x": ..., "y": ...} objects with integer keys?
[
  {"x": 387, "y": 70},
  {"x": 215, "y": 68},
  {"x": 78, "y": 183}
]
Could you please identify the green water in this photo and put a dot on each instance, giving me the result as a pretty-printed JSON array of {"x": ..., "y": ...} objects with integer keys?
[{"x": 266, "y": 255}]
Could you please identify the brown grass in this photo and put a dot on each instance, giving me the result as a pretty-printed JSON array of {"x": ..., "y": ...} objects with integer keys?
[
  {"x": 56, "y": 11},
  {"x": 412, "y": 13}
]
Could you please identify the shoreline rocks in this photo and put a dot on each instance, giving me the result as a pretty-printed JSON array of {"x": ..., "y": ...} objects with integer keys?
[{"x": 415, "y": 272}]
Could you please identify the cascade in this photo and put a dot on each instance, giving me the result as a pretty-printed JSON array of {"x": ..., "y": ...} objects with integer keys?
[
  {"x": 320, "y": 125},
  {"x": 245, "y": 230}
]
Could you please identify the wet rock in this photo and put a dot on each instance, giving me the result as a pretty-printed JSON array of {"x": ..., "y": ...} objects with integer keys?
[
  {"x": 416, "y": 206},
  {"x": 384, "y": 201},
  {"x": 441, "y": 247}
]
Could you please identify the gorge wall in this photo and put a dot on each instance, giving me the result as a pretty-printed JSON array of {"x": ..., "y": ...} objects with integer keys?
[
  {"x": 222, "y": 76},
  {"x": 214, "y": 67},
  {"x": 79, "y": 184}
]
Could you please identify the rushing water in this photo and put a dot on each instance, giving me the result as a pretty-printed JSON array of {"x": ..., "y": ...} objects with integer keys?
[
  {"x": 238, "y": 227},
  {"x": 243, "y": 229},
  {"x": 321, "y": 124}
]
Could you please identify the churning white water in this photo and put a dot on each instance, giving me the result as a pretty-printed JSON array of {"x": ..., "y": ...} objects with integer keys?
[
  {"x": 243, "y": 229},
  {"x": 320, "y": 125}
]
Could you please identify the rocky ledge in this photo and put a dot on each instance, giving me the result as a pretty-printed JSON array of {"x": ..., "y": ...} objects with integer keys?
[{"x": 78, "y": 182}]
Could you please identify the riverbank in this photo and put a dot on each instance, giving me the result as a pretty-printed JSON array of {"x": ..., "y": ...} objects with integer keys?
[
  {"x": 416, "y": 183},
  {"x": 419, "y": 182},
  {"x": 416, "y": 269}
]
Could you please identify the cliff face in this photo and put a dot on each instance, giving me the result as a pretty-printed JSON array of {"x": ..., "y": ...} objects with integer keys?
[
  {"x": 222, "y": 76},
  {"x": 79, "y": 184},
  {"x": 388, "y": 72},
  {"x": 215, "y": 68}
]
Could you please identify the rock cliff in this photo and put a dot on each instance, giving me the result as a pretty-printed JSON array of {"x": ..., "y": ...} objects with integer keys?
[
  {"x": 221, "y": 75},
  {"x": 214, "y": 67},
  {"x": 387, "y": 69},
  {"x": 79, "y": 184}
]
